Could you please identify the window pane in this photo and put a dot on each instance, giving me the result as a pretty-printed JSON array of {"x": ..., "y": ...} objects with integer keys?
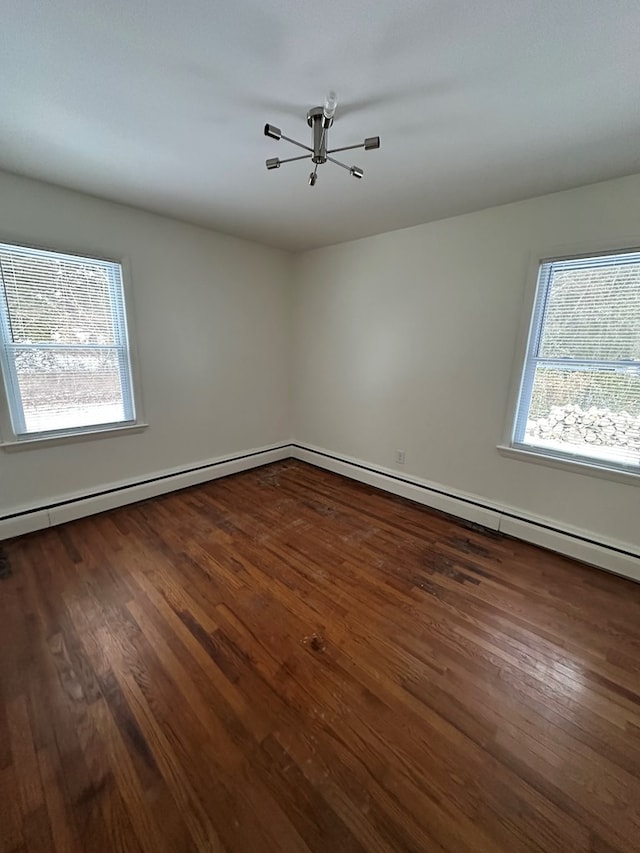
[
  {"x": 594, "y": 413},
  {"x": 66, "y": 388},
  {"x": 55, "y": 299},
  {"x": 63, "y": 341},
  {"x": 593, "y": 312}
]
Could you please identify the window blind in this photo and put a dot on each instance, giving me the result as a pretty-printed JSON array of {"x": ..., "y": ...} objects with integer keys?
[
  {"x": 580, "y": 393},
  {"x": 64, "y": 346}
]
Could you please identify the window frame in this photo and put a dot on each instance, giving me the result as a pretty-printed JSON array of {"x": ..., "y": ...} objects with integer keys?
[
  {"x": 10, "y": 439},
  {"x": 524, "y": 369}
]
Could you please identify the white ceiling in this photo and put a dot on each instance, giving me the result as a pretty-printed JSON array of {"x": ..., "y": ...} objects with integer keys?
[{"x": 161, "y": 104}]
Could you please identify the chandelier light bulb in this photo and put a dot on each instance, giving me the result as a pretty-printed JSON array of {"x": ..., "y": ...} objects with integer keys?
[
  {"x": 330, "y": 105},
  {"x": 272, "y": 131}
]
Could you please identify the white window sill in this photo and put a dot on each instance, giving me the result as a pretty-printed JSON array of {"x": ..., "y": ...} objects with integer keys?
[
  {"x": 70, "y": 438},
  {"x": 578, "y": 466}
]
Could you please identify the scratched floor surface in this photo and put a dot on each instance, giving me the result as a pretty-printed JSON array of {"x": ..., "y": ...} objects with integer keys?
[{"x": 285, "y": 660}]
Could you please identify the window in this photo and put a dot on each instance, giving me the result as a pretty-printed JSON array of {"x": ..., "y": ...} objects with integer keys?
[
  {"x": 63, "y": 343},
  {"x": 580, "y": 392}
]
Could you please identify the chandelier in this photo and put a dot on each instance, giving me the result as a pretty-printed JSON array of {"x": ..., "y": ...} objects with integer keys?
[{"x": 319, "y": 119}]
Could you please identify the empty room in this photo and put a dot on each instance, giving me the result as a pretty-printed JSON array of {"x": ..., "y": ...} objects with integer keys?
[{"x": 319, "y": 426}]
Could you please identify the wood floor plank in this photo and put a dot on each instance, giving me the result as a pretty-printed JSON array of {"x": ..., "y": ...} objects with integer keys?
[
  {"x": 285, "y": 660},
  {"x": 25, "y": 762},
  {"x": 201, "y": 828},
  {"x": 63, "y": 831},
  {"x": 11, "y": 835},
  {"x": 149, "y": 835}
]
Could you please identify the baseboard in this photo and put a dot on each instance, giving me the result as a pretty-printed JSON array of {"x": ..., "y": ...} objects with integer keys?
[
  {"x": 71, "y": 506},
  {"x": 612, "y": 555}
]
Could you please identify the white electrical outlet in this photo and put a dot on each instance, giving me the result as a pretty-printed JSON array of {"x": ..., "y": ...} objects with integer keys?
[{"x": 400, "y": 457}]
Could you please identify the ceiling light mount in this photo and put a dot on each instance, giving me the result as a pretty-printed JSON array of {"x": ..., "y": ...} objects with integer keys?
[{"x": 319, "y": 119}]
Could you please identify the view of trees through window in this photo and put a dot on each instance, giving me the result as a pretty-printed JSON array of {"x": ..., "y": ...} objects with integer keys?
[
  {"x": 585, "y": 397},
  {"x": 63, "y": 354}
]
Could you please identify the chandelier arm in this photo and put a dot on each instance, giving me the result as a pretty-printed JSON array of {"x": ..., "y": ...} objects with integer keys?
[
  {"x": 345, "y": 148},
  {"x": 299, "y": 144},
  {"x": 338, "y": 163},
  {"x": 291, "y": 159}
]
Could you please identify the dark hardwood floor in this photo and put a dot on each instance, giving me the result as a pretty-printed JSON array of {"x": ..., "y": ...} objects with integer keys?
[{"x": 285, "y": 660}]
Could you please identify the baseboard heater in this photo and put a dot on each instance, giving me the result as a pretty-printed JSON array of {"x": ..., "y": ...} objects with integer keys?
[
  {"x": 70, "y": 507},
  {"x": 613, "y": 556},
  {"x": 617, "y": 557}
]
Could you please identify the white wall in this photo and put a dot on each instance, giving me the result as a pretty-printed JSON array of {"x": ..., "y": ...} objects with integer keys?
[
  {"x": 392, "y": 337},
  {"x": 399, "y": 338},
  {"x": 212, "y": 325}
]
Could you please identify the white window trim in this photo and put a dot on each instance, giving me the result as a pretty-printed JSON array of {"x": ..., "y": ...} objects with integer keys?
[
  {"x": 9, "y": 441},
  {"x": 53, "y": 439},
  {"x": 541, "y": 456},
  {"x": 576, "y": 466}
]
